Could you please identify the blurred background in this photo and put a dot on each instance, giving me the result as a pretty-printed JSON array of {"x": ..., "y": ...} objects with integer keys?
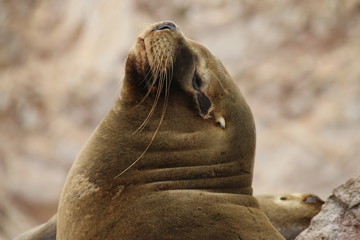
[{"x": 61, "y": 63}]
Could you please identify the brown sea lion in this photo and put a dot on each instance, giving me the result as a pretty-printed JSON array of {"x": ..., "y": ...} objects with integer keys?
[
  {"x": 173, "y": 159},
  {"x": 290, "y": 213}
]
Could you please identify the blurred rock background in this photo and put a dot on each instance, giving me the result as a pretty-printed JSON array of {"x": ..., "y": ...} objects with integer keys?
[{"x": 61, "y": 63}]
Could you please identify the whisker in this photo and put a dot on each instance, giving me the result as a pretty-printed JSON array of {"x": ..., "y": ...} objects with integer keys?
[
  {"x": 161, "y": 72},
  {"x": 152, "y": 110},
  {"x": 167, "y": 87},
  {"x": 156, "y": 75},
  {"x": 158, "y": 93},
  {"x": 218, "y": 80},
  {"x": 149, "y": 89}
]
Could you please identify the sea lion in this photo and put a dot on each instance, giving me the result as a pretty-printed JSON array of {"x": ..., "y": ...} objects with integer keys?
[
  {"x": 290, "y": 213},
  {"x": 174, "y": 157}
]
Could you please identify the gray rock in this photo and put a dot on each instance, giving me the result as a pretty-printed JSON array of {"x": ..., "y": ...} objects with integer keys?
[{"x": 339, "y": 218}]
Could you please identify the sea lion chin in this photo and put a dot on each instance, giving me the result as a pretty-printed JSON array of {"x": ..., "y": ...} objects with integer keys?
[{"x": 173, "y": 159}]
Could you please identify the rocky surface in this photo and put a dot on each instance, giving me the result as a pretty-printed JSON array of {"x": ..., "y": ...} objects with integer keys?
[
  {"x": 339, "y": 218},
  {"x": 61, "y": 62}
]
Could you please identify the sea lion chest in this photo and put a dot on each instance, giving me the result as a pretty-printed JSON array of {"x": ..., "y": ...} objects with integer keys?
[{"x": 176, "y": 191}]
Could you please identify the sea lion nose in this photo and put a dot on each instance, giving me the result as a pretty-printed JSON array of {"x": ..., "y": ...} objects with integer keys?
[
  {"x": 166, "y": 26},
  {"x": 313, "y": 199}
]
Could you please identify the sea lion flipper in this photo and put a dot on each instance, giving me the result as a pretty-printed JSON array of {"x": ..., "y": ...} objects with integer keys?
[{"x": 45, "y": 231}]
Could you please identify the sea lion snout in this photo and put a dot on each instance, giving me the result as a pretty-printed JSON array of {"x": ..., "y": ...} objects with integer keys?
[
  {"x": 313, "y": 199},
  {"x": 154, "y": 53}
]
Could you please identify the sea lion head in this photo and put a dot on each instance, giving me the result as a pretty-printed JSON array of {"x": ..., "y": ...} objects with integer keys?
[
  {"x": 176, "y": 86},
  {"x": 290, "y": 213},
  {"x": 162, "y": 55}
]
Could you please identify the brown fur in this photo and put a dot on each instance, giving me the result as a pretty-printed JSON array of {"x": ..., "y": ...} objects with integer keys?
[
  {"x": 290, "y": 213},
  {"x": 189, "y": 178}
]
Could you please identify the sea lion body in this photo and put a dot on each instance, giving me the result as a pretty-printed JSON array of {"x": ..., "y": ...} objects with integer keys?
[
  {"x": 191, "y": 160},
  {"x": 289, "y": 213}
]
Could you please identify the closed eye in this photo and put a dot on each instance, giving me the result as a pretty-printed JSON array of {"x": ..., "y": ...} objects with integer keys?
[{"x": 197, "y": 81}]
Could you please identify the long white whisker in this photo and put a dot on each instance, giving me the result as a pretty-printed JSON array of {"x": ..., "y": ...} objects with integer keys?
[
  {"x": 161, "y": 83},
  {"x": 218, "y": 80}
]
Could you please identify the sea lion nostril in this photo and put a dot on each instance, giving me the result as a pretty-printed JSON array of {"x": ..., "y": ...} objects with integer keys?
[
  {"x": 166, "y": 25},
  {"x": 313, "y": 199}
]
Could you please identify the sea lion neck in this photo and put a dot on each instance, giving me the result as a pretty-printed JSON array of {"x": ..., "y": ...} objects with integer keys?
[{"x": 188, "y": 152}]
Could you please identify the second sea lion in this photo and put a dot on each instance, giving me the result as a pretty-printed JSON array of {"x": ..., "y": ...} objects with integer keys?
[{"x": 290, "y": 213}]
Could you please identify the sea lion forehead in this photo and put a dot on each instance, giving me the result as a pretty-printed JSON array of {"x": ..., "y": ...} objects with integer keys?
[
  {"x": 201, "y": 53},
  {"x": 205, "y": 58},
  {"x": 207, "y": 63}
]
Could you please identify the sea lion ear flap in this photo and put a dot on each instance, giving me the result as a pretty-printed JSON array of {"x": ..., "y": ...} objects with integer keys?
[{"x": 203, "y": 104}]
